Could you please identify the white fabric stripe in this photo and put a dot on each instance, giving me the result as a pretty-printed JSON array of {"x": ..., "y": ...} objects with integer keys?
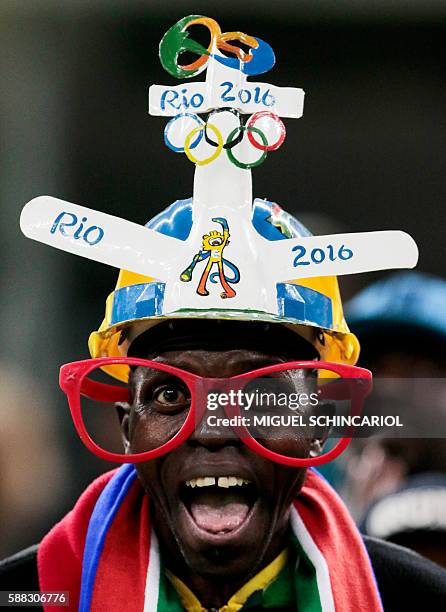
[
  {"x": 153, "y": 576},
  {"x": 317, "y": 559}
]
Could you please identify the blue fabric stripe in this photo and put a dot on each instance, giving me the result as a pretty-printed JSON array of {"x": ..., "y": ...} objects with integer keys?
[
  {"x": 321, "y": 476},
  {"x": 103, "y": 514}
]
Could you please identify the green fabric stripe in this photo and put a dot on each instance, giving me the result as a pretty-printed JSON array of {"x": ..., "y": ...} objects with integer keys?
[
  {"x": 168, "y": 598},
  {"x": 307, "y": 592},
  {"x": 282, "y": 591}
]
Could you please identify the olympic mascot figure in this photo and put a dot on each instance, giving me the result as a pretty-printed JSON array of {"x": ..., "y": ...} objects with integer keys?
[{"x": 213, "y": 246}]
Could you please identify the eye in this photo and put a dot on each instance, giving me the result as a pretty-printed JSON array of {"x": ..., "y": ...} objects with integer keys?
[
  {"x": 171, "y": 396},
  {"x": 157, "y": 391}
]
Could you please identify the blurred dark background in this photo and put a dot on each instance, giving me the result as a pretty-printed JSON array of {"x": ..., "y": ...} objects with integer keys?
[{"x": 368, "y": 154}]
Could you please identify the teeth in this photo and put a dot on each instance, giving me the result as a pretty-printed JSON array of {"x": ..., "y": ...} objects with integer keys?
[
  {"x": 207, "y": 481},
  {"x": 222, "y": 481}
]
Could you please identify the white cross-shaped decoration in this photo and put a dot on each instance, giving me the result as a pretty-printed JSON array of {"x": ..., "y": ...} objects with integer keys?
[{"x": 221, "y": 190}]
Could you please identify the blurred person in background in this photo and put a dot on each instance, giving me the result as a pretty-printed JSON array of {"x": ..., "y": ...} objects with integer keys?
[
  {"x": 33, "y": 472},
  {"x": 396, "y": 487}
]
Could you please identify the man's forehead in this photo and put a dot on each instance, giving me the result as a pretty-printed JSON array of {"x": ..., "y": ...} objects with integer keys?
[{"x": 221, "y": 336}]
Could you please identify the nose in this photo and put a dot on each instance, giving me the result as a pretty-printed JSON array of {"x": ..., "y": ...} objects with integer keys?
[
  {"x": 214, "y": 436},
  {"x": 213, "y": 429}
]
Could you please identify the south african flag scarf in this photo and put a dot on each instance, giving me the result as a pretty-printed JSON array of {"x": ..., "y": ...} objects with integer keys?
[{"x": 104, "y": 550}]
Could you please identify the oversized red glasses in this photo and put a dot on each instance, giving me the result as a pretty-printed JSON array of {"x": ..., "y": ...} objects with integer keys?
[{"x": 277, "y": 411}]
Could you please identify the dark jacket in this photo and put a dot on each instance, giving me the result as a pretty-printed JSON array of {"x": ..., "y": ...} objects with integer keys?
[{"x": 406, "y": 580}]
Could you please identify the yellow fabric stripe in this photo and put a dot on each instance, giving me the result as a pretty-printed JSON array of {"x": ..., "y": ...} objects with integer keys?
[
  {"x": 238, "y": 600},
  {"x": 188, "y": 599},
  {"x": 257, "y": 583}
]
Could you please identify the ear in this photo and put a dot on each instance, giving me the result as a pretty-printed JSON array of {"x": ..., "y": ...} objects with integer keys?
[
  {"x": 123, "y": 410},
  {"x": 321, "y": 433}
]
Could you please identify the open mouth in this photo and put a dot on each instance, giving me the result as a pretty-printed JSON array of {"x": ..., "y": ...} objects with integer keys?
[{"x": 219, "y": 504}]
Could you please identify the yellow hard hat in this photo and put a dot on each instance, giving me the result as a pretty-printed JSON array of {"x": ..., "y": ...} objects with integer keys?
[{"x": 311, "y": 306}]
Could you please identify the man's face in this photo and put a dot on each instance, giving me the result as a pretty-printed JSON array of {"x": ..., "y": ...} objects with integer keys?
[{"x": 238, "y": 519}]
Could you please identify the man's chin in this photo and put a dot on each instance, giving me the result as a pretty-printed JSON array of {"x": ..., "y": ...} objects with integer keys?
[{"x": 236, "y": 550}]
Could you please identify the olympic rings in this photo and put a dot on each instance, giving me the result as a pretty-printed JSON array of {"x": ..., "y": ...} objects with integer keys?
[
  {"x": 195, "y": 136},
  {"x": 172, "y": 121},
  {"x": 279, "y": 122},
  {"x": 238, "y": 163},
  {"x": 228, "y": 144},
  {"x": 200, "y": 129}
]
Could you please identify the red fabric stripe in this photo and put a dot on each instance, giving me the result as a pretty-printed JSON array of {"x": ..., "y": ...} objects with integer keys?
[
  {"x": 335, "y": 534},
  {"x": 59, "y": 556},
  {"x": 122, "y": 570}
]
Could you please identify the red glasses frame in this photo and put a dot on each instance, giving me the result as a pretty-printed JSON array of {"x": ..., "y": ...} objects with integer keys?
[{"x": 74, "y": 383}]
